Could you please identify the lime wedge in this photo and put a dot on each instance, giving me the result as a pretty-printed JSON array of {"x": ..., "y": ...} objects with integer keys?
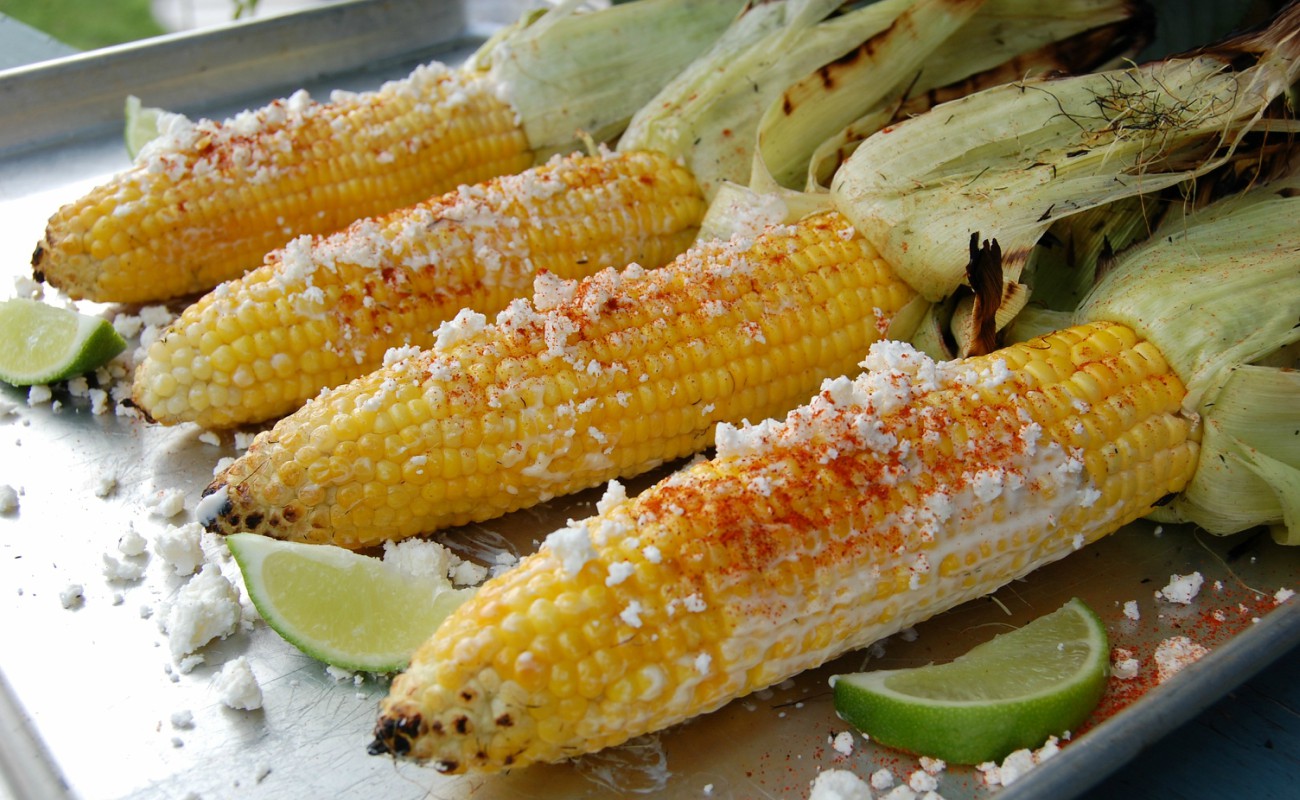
[
  {"x": 40, "y": 343},
  {"x": 141, "y": 125},
  {"x": 1012, "y": 692},
  {"x": 341, "y": 607}
]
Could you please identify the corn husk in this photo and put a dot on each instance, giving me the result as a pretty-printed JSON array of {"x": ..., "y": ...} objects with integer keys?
[
  {"x": 1008, "y": 162},
  {"x": 573, "y": 74},
  {"x": 928, "y": 54},
  {"x": 1218, "y": 291},
  {"x": 709, "y": 114}
]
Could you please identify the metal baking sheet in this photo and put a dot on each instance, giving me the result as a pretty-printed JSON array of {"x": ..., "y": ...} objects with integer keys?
[{"x": 92, "y": 706}]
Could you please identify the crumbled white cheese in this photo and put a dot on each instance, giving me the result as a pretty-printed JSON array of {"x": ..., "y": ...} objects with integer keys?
[
  {"x": 207, "y": 607},
  {"x": 619, "y": 572},
  {"x": 181, "y": 547},
  {"x": 36, "y": 395},
  {"x": 1283, "y": 595},
  {"x": 8, "y": 499},
  {"x": 572, "y": 545},
  {"x": 934, "y": 766},
  {"x": 1175, "y": 654},
  {"x": 1131, "y": 610},
  {"x": 1181, "y": 589},
  {"x": 631, "y": 615},
  {"x": 167, "y": 504},
  {"x": 842, "y": 743},
  {"x": 465, "y": 325},
  {"x": 839, "y": 784},
  {"x": 922, "y": 781},
  {"x": 1123, "y": 665},
  {"x": 882, "y": 779},
  {"x": 237, "y": 686},
  {"x": 73, "y": 595},
  {"x": 1018, "y": 763},
  {"x": 183, "y": 719},
  {"x": 125, "y": 569}
]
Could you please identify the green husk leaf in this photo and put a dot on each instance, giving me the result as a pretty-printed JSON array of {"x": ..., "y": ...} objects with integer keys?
[
  {"x": 1249, "y": 468},
  {"x": 1008, "y": 162},
  {"x": 932, "y": 49},
  {"x": 1212, "y": 289},
  {"x": 572, "y": 74},
  {"x": 709, "y": 114},
  {"x": 1004, "y": 40}
]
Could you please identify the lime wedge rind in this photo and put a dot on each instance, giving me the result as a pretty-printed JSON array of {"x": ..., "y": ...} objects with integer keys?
[
  {"x": 930, "y": 711},
  {"x": 41, "y": 343},
  {"x": 346, "y": 609}
]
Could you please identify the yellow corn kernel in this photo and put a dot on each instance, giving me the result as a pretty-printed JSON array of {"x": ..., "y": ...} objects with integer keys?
[
  {"x": 206, "y": 201},
  {"x": 829, "y": 482},
  {"x": 390, "y": 282},
  {"x": 561, "y": 413}
]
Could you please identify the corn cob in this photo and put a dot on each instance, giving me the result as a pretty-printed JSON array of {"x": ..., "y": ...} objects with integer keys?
[
  {"x": 206, "y": 200},
  {"x": 178, "y": 381},
  {"x": 338, "y": 303},
  {"x": 590, "y": 381},
  {"x": 883, "y": 501}
]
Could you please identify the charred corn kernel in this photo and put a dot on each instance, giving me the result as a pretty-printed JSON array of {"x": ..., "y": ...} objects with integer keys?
[
  {"x": 726, "y": 549},
  {"x": 592, "y": 380},
  {"x": 325, "y": 310},
  {"x": 207, "y": 200}
]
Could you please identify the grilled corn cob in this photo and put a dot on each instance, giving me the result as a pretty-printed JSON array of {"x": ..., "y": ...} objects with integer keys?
[
  {"x": 590, "y": 381},
  {"x": 179, "y": 381},
  {"x": 205, "y": 201},
  {"x": 886, "y": 499},
  {"x": 340, "y": 302}
]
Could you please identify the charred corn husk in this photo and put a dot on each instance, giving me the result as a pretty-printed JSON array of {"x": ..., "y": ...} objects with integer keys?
[
  {"x": 589, "y": 381},
  {"x": 323, "y": 311},
  {"x": 1010, "y": 161},
  {"x": 372, "y": 263},
  {"x": 886, "y": 499},
  {"x": 206, "y": 200}
]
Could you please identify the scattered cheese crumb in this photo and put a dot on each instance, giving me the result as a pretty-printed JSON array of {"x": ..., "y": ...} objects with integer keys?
[
  {"x": 167, "y": 504},
  {"x": 839, "y": 784},
  {"x": 207, "y": 607},
  {"x": 922, "y": 781},
  {"x": 882, "y": 779},
  {"x": 180, "y": 546},
  {"x": 572, "y": 545},
  {"x": 1182, "y": 589},
  {"x": 1174, "y": 654},
  {"x": 933, "y": 765},
  {"x": 237, "y": 686},
  {"x": 182, "y": 720},
  {"x": 842, "y": 742},
  {"x": 1123, "y": 665},
  {"x": 1131, "y": 610},
  {"x": 1283, "y": 595},
  {"x": 8, "y": 499},
  {"x": 73, "y": 595}
]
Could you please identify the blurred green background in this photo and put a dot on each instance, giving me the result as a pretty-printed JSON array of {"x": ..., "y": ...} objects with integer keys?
[{"x": 88, "y": 24}]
